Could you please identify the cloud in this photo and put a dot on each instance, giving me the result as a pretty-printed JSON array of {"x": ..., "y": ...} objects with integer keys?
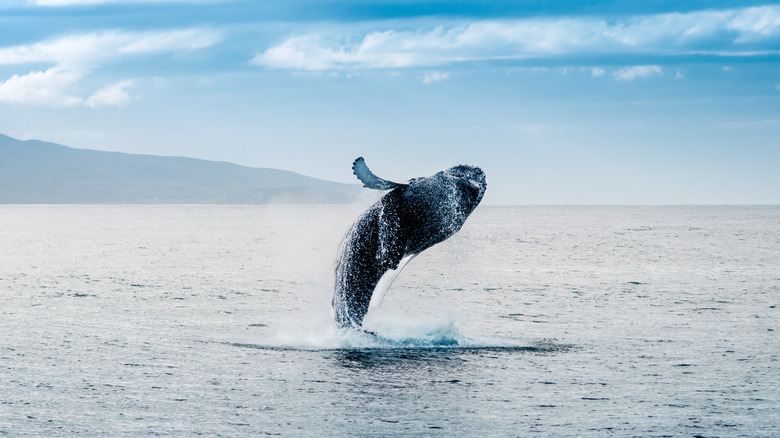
[
  {"x": 76, "y": 56},
  {"x": 637, "y": 71},
  {"x": 313, "y": 52},
  {"x": 110, "y": 95},
  {"x": 755, "y": 24},
  {"x": 41, "y": 87},
  {"x": 102, "y": 47},
  {"x": 734, "y": 31},
  {"x": 596, "y": 72},
  {"x": 51, "y": 87},
  {"x": 430, "y": 78}
]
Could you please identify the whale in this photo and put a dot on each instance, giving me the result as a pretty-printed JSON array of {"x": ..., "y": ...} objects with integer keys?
[{"x": 410, "y": 218}]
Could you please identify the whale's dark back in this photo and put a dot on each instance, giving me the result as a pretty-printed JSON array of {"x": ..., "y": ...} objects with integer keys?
[{"x": 407, "y": 220}]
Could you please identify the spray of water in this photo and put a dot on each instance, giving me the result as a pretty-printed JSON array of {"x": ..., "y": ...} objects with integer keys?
[{"x": 383, "y": 330}]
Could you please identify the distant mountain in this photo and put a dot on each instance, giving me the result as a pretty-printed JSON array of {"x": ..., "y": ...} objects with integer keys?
[{"x": 37, "y": 172}]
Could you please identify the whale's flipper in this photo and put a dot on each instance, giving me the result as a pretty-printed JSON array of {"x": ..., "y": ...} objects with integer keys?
[{"x": 368, "y": 178}]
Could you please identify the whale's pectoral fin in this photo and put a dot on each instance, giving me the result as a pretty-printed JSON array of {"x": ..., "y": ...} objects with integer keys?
[{"x": 368, "y": 178}]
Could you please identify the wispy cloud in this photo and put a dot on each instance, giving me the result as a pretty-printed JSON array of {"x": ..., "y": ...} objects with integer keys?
[
  {"x": 111, "y": 95},
  {"x": 753, "y": 30},
  {"x": 101, "y": 47},
  {"x": 388, "y": 49},
  {"x": 437, "y": 76},
  {"x": 76, "y": 56},
  {"x": 597, "y": 71},
  {"x": 637, "y": 71}
]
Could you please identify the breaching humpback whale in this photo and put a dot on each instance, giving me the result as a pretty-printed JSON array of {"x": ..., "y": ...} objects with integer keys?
[{"x": 409, "y": 219}]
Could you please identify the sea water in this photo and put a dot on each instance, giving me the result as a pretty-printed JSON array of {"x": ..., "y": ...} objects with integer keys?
[{"x": 554, "y": 321}]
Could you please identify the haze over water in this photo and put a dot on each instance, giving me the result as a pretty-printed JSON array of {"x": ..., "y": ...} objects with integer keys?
[{"x": 216, "y": 320}]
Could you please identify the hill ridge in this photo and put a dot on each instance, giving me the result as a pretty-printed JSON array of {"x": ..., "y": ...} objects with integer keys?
[{"x": 39, "y": 172}]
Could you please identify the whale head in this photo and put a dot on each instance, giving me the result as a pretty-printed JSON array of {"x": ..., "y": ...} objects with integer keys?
[{"x": 470, "y": 181}]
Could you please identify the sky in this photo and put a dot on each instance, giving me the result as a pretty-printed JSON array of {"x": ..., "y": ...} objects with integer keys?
[{"x": 559, "y": 102}]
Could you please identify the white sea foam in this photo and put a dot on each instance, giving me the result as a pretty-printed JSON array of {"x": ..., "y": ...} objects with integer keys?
[{"x": 382, "y": 329}]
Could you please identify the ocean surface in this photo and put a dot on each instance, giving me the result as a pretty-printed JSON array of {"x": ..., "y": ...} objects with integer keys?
[{"x": 545, "y": 321}]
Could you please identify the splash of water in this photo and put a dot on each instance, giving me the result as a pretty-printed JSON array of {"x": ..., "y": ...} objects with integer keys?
[{"x": 383, "y": 330}]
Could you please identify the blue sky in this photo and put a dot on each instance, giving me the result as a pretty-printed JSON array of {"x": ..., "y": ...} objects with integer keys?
[{"x": 560, "y": 102}]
